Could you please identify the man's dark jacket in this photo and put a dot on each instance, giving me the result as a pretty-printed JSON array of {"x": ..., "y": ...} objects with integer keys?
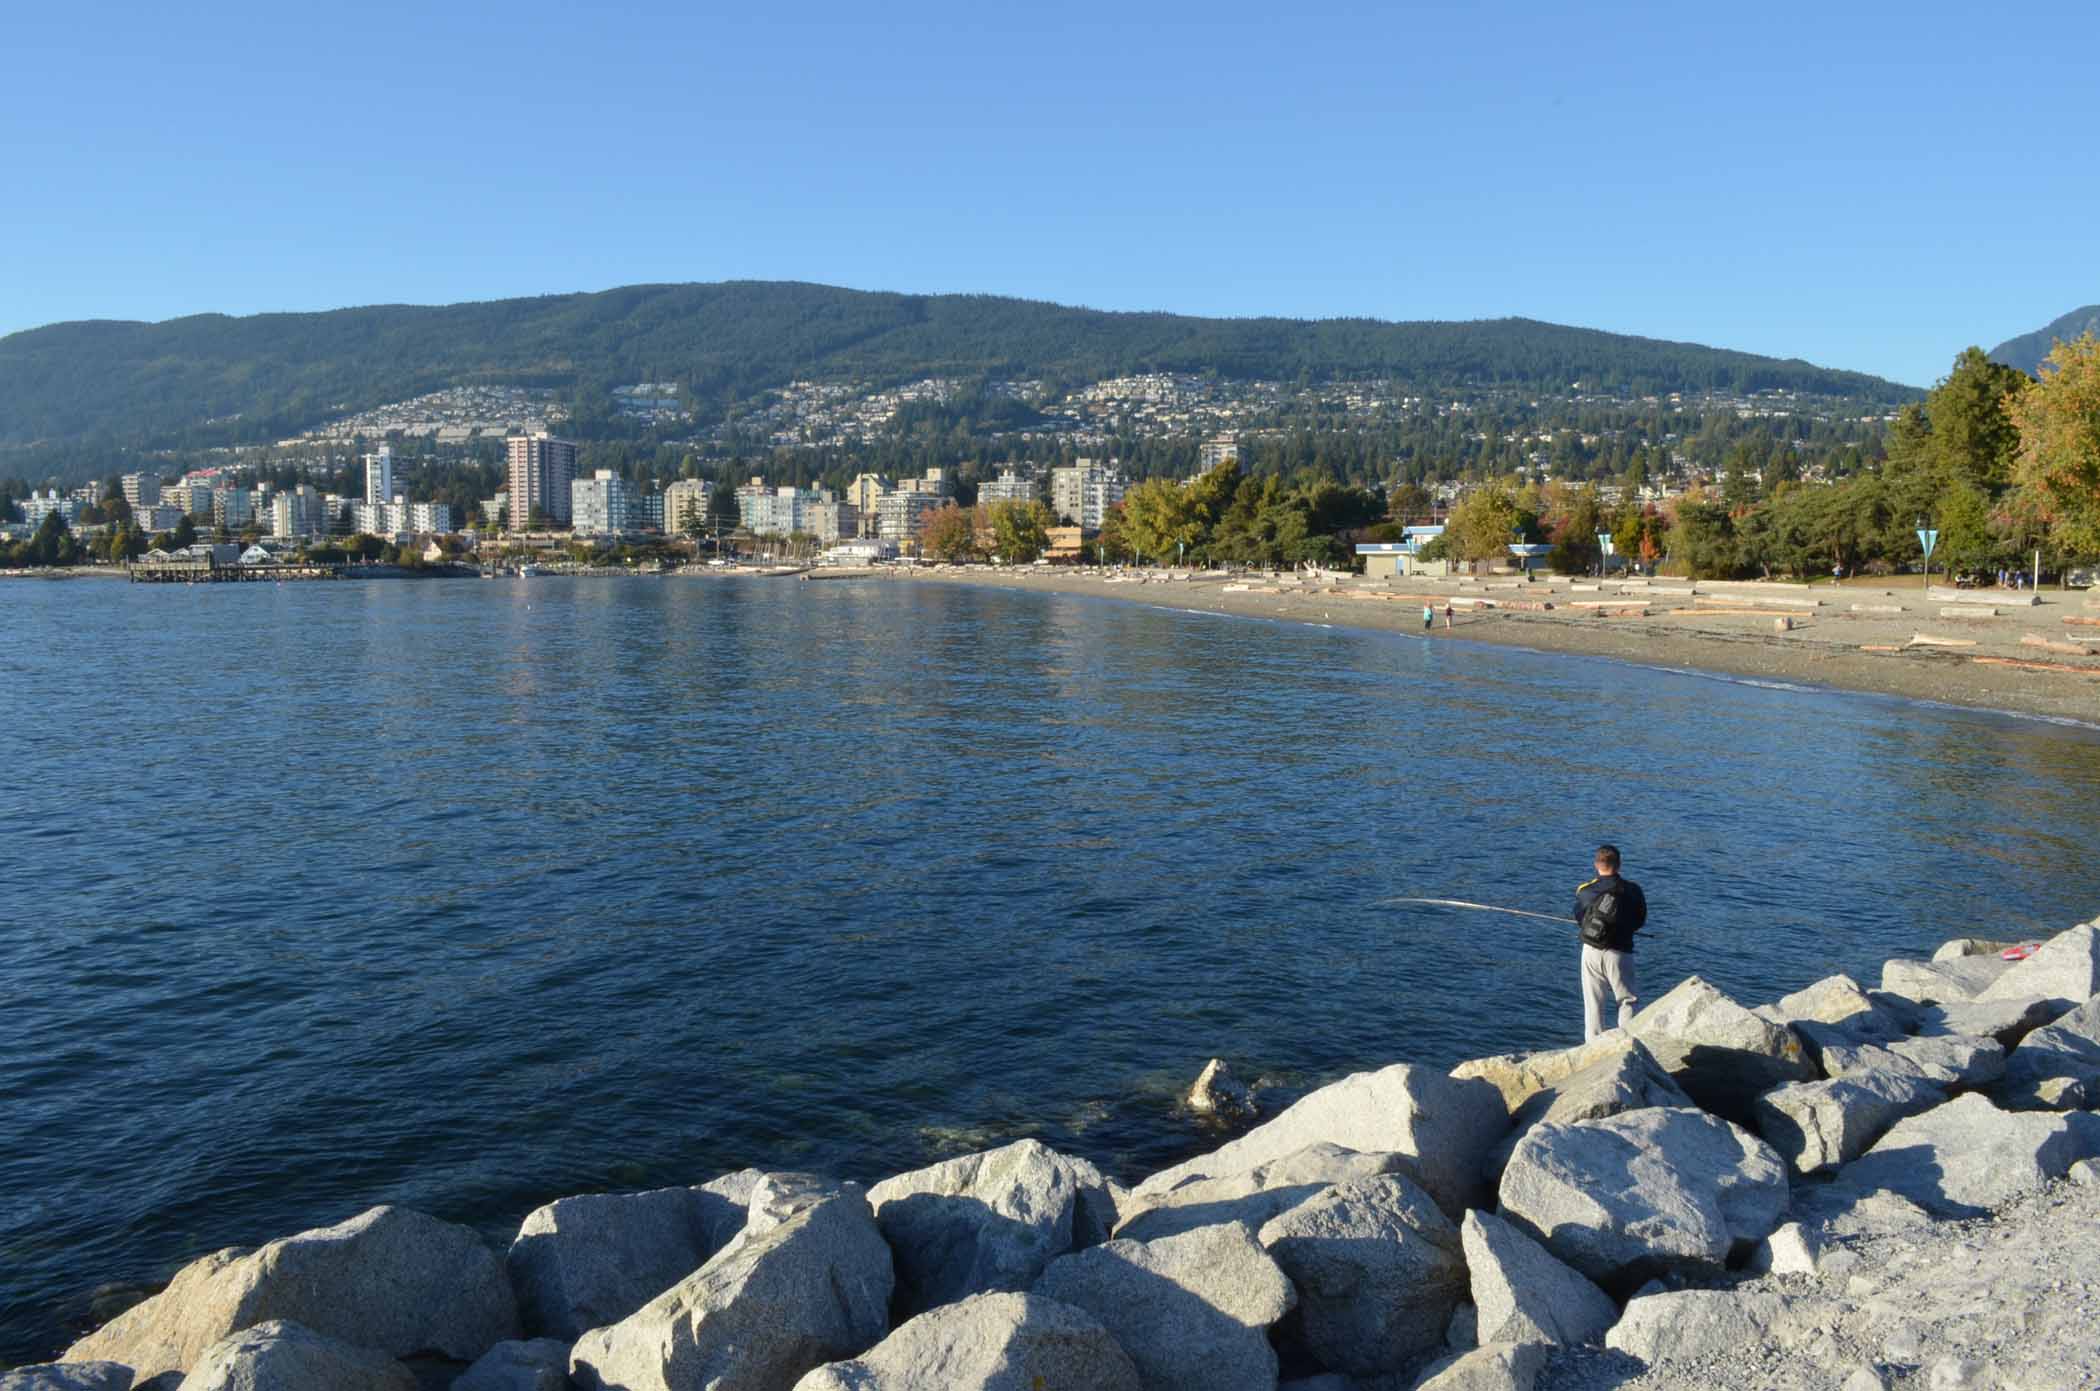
[{"x": 1632, "y": 909}]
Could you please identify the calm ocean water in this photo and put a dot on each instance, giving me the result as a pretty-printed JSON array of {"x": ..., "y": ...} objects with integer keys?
[{"x": 469, "y": 895}]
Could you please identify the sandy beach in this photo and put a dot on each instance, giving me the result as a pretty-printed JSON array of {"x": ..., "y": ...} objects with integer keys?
[{"x": 1980, "y": 648}]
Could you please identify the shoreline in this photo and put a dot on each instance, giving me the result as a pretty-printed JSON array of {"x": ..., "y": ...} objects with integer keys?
[
  {"x": 1825, "y": 647},
  {"x": 1838, "y": 1144}
]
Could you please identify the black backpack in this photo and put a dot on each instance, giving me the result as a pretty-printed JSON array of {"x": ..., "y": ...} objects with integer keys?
[{"x": 1602, "y": 917}]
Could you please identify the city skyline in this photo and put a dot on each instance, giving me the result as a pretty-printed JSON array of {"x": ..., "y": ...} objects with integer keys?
[{"x": 1816, "y": 184}]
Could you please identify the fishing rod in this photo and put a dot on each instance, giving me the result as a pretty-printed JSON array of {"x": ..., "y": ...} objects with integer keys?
[{"x": 1483, "y": 907}]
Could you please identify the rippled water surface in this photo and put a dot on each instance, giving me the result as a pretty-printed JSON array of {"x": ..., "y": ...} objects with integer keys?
[{"x": 467, "y": 895}]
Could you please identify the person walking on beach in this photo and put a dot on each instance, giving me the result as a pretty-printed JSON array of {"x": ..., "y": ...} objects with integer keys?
[
  {"x": 1447, "y": 615},
  {"x": 1608, "y": 910},
  {"x": 1428, "y": 617}
]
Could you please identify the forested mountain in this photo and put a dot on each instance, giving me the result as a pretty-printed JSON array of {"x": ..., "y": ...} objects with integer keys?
[
  {"x": 2027, "y": 351},
  {"x": 212, "y": 379}
]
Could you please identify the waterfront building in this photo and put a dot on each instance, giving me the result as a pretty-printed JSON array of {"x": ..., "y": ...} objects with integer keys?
[
  {"x": 652, "y": 511},
  {"x": 781, "y": 511},
  {"x": 141, "y": 489},
  {"x": 1083, "y": 493},
  {"x": 492, "y": 509},
  {"x": 1220, "y": 449},
  {"x": 430, "y": 518},
  {"x": 39, "y": 505},
  {"x": 232, "y": 508},
  {"x": 541, "y": 469},
  {"x": 686, "y": 503},
  {"x": 901, "y": 516},
  {"x": 1009, "y": 486},
  {"x": 830, "y": 520},
  {"x": 859, "y": 551},
  {"x": 379, "y": 476},
  {"x": 157, "y": 517},
  {"x": 605, "y": 505},
  {"x": 295, "y": 512}
]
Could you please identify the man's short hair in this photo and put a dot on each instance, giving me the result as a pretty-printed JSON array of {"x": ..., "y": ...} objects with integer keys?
[{"x": 1608, "y": 857}]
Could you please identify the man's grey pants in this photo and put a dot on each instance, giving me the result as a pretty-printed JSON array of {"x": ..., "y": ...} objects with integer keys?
[{"x": 1606, "y": 975}]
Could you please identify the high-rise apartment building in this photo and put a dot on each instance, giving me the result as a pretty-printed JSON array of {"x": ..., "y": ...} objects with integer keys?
[
  {"x": 605, "y": 505},
  {"x": 141, "y": 489},
  {"x": 232, "y": 508},
  {"x": 901, "y": 516},
  {"x": 295, "y": 512},
  {"x": 541, "y": 469},
  {"x": 379, "y": 476},
  {"x": 1083, "y": 493}
]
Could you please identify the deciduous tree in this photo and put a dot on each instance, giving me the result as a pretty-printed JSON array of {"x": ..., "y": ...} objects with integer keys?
[{"x": 2058, "y": 464}]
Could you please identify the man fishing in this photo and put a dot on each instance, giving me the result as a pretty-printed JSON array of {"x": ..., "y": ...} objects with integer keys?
[{"x": 1608, "y": 910}]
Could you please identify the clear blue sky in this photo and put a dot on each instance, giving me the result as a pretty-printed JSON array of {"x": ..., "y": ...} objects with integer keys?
[{"x": 1867, "y": 186}]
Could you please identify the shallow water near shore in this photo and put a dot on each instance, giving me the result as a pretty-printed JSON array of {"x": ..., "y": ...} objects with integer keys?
[{"x": 468, "y": 895}]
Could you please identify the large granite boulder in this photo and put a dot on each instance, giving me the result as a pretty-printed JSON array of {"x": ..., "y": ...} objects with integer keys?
[
  {"x": 1443, "y": 1126},
  {"x": 1948, "y": 982},
  {"x": 1820, "y": 1125},
  {"x": 68, "y": 1376},
  {"x": 2065, "y": 969},
  {"x": 591, "y": 1260},
  {"x": 1952, "y": 1062},
  {"x": 1720, "y": 1053},
  {"x": 988, "y": 1222},
  {"x": 1521, "y": 1076},
  {"x": 808, "y": 1281},
  {"x": 1252, "y": 1197},
  {"x": 989, "y": 1342},
  {"x": 2056, "y": 1068},
  {"x": 1490, "y": 1367},
  {"x": 1378, "y": 1269},
  {"x": 1193, "y": 1311},
  {"x": 1967, "y": 1157},
  {"x": 1667, "y": 1191},
  {"x": 1624, "y": 1076},
  {"x": 1705, "y": 1325},
  {"x": 1522, "y": 1294},
  {"x": 389, "y": 1279},
  {"x": 1836, "y": 1002},
  {"x": 279, "y": 1355},
  {"x": 2006, "y": 1021},
  {"x": 541, "y": 1364}
]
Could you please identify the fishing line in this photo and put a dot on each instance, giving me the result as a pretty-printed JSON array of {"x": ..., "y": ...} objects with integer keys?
[{"x": 1483, "y": 907}]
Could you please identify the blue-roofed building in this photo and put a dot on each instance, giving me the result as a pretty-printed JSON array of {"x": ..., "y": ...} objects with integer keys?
[{"x": 1385, "y": 559}]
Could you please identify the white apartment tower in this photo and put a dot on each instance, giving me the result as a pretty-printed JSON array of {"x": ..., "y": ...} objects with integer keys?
[{"x": 379, "y": 476}]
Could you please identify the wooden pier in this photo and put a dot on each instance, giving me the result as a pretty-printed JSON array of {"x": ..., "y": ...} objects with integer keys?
[{"x": 210, "y": 572}]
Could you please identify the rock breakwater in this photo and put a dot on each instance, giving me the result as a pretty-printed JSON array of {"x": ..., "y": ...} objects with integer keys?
[{"x": 1717, "y": 1194}]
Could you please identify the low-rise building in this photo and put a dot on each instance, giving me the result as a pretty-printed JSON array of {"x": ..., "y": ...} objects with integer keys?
[
  {"x": 686, "y": 504},
  {"x": 1009, "y": 486}
]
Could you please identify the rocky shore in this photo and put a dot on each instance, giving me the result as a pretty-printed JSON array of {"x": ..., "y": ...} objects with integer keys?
[{"x": 1853, "y": 1187}]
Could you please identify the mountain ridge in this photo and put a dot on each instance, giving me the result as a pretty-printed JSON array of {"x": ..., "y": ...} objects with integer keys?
[
  {"x": 2027, "y": 351},
  {"x": 217, "y": 378}
]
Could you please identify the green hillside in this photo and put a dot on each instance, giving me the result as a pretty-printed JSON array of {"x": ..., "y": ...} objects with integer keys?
[
  {"x": 213, "y": 379},
  {"x": 2027, "y": 351}
]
